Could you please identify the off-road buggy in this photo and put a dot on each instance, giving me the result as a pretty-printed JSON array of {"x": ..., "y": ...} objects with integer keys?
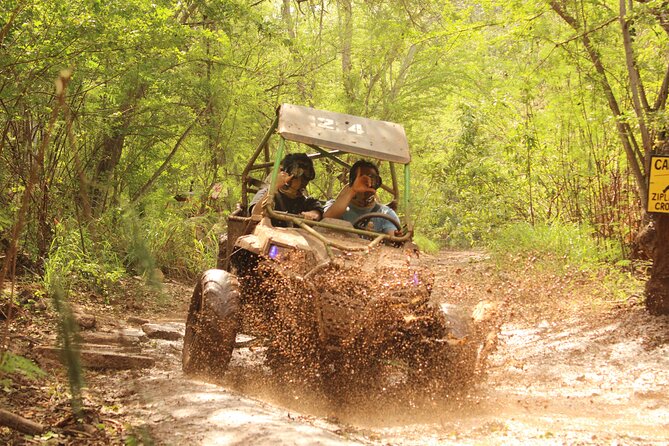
[{"x": 334, "y": 303}]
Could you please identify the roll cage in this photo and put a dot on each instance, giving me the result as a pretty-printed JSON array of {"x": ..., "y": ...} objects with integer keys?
[{"x": 330, "y": 135}]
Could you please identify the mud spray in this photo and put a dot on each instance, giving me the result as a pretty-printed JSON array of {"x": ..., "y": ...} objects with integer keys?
[{"x": 358, "y": 346}]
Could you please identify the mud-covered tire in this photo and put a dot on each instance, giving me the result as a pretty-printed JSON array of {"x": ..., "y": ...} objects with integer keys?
[
  {"x": 212, "y": 325},
  {"x": 449, "y": 367}
]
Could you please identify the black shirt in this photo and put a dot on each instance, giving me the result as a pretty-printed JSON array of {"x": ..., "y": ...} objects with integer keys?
[{"x": 283, "y": 203}]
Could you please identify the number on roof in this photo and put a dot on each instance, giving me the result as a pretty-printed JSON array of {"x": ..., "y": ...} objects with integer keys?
[
  {"x": 326, "y": 123},
  {"x": 331, "y": 124}
]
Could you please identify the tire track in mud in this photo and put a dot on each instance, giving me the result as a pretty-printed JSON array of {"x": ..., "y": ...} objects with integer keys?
[{"x": 576, "y": 379}]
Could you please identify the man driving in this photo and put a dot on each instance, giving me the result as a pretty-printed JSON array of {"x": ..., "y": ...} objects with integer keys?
[
  {"x": 296, "y": 171},
  {"x": 359, "y": 198}
]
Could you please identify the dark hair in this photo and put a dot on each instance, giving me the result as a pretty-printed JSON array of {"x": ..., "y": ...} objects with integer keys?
[
  {"x": 299, "y": 165},
  {"x": 353, "y": 172}
]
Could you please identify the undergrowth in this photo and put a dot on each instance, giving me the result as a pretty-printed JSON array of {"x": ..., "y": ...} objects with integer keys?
[
  {"x": 180, "y": 247},
  {"x": 426, "y": 244},
  {"x": 558, "y": 245},
  {"x": 568, "y": 251},
  {"x": 94, "y": 257},
  {"x": 78, "y": 262},
  {"x": 11, "y": 364}
]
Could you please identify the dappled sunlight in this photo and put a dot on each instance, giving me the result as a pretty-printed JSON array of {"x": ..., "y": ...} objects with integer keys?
[
  {"x": 588, "y": 373},
  {"x": 236, "y": 417},
  {"x": 227, "y": 417}
]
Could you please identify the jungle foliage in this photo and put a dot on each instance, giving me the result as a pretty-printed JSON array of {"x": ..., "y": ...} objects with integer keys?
[{"x": 520, "y": 115}]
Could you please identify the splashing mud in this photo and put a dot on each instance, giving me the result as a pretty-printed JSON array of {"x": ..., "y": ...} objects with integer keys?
[{"x": 561, "y": 373}]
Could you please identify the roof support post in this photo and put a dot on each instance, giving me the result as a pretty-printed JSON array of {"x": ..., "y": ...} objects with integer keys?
[
  {"x": 275, "y": 170},
  {"x": 406, "y": 196}
]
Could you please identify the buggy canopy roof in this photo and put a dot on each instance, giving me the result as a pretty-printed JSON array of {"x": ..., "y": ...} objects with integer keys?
[{"x": 367, "y": 137}]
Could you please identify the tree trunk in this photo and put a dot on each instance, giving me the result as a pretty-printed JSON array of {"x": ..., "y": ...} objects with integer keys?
[
  {"x": 657, "y": 287},
  {"x": 346, "y": 23},
  {"x": 287, "y": 18},
  {"x": 112, "y": 149},
  {"x": 634, "y": 158}
]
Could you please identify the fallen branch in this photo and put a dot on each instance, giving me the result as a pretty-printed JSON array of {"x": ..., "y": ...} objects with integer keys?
[
  {"x": 101, "y": 359},
  {"x": 20, "y": 424}
]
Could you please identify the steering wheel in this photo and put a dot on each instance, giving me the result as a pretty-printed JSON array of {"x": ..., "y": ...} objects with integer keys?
[{"x": 361, "y": 222}]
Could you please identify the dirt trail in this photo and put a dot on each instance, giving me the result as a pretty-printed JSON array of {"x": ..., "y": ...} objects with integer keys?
[{"x": 558, "y": 376}]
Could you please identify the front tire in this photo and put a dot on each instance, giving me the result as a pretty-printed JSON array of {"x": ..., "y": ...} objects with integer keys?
[
  {"x": 212, "y": 325},
  {"x": 446, "y": 368}
]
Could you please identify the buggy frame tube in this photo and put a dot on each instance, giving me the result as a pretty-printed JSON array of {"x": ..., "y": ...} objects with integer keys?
[
  {"x": 275, "y": 171},
  {"x": 298, "y": 221},
  {"x": 255, "y": 155},
  {"x": 406, "y": 195},
  {"x": 333, "y": 156},
  {"x": 322, "y": 153},
  {"x": 393, "y": 178}
]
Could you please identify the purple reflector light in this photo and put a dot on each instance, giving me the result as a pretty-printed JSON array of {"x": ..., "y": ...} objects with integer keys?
[{"x": 273, "y": 251}]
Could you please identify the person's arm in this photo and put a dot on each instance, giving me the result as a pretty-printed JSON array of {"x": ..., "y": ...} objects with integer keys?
[
  {"x": 260, "y": 199},
  {"x": 362, "y": 183},
  {"x": 388, "y": 227},
  {"x": 337, "y": 209}
]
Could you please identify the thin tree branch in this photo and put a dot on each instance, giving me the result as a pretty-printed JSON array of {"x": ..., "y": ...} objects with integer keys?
[
  {"x": 589, "y": 31},
  {"x": 635, "y": 81},
  {"x": 661, "y": 100},
  {"x": 5, "y": 29},
  {"x": 166, "y": 163},
  {"x": 626, "y": 137}
]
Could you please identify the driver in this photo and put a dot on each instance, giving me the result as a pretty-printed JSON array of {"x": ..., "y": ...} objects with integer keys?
[
  {"x": 359, "y": 198},
  {"x": 296, "y": 171}
]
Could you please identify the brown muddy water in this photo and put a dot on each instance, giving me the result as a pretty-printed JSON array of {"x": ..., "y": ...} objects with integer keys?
[{"x": 572, "y": 377}]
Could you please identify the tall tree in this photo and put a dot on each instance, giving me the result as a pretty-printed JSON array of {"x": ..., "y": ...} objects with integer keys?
[{"x": 645, "y": 134}]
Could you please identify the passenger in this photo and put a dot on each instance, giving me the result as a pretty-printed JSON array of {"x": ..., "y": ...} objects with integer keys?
[
  {"x": 296, "y": 171},
  {"x": 359, "y": 198}
]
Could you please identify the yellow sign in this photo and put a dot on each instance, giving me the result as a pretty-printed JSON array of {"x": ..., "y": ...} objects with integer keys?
[{"x": 658, "y": 187}]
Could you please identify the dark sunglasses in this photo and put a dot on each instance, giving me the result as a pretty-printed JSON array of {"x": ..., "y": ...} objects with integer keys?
[
  {"x": 376, "y": 180},
  {"x": 305, "y": 172}
]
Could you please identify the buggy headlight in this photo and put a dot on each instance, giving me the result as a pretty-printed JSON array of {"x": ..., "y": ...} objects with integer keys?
[{"x": 279, "y": 252}]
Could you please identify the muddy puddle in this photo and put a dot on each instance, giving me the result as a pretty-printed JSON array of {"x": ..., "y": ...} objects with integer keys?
[{"x": 560, "y": 380}]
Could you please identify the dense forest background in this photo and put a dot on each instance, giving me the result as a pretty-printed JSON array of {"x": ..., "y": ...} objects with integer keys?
[{"x": 530, "y": 123}]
